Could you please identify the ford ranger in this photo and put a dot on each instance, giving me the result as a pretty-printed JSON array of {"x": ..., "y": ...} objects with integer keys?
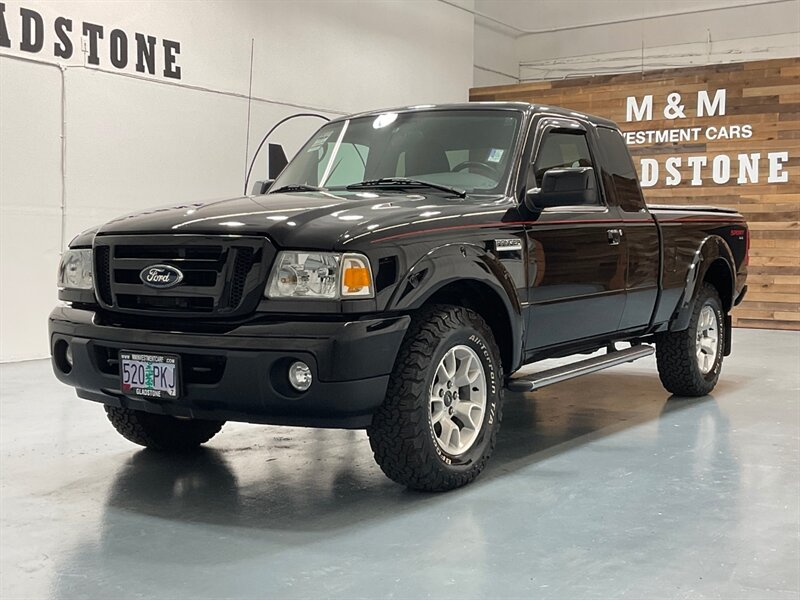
[{"x": 394, "y": 277}]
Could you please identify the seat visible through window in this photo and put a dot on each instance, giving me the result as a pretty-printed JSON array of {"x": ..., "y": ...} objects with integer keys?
[
  {"x": 562, "y": 150},
  {"x": 425, "y": 156}
]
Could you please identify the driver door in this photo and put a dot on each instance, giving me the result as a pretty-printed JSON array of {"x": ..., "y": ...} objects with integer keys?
[{"x": 576, "y": 258}]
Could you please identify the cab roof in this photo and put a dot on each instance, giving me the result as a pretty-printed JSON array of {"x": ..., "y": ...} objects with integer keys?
[{"x": 529, "y": 108}]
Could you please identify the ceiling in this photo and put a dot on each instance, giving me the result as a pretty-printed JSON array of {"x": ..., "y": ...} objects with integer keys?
[{"x": 520, "y": 17}]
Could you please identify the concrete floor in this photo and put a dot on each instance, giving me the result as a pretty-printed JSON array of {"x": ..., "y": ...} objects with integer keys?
[{"x": 602, "y": 487}]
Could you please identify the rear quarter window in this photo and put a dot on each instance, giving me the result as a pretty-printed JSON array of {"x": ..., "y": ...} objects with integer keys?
[{"x": 619, "y": 172}]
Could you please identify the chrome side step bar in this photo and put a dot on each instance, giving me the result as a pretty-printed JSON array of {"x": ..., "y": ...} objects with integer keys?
[{"x": 576, "y": 369}]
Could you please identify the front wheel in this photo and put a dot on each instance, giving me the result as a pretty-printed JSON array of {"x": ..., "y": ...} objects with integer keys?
[
  {"x": 689, "y": 362},
  {"x": 438, "y": 424},
  {"x": 161, "y": 432}
]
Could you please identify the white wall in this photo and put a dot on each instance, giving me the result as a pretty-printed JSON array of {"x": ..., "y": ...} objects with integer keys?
[
  {"x": 554, "y": 39},
  {"x": 136, "y": 140},
  {"x": 496, "y": 61},
  {"x": 728, "y": 34}
]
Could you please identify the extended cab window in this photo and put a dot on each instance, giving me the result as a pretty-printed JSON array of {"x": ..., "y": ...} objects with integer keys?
[{"x": 619, "y": 168}]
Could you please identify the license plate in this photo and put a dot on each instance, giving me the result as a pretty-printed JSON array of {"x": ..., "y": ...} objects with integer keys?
[{"x": 149, "y": 375}]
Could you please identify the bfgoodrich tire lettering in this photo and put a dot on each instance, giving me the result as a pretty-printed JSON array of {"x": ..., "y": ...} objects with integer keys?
[
  {"x": 402, "y": 434},
  {"x": 161, "y": 432},
  {"x": 677, "y": 351}
]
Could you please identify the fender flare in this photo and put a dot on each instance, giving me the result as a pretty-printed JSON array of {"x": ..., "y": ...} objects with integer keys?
[
  {"x": 710, "y": 250},
  {"x": 461, "y": 262}
]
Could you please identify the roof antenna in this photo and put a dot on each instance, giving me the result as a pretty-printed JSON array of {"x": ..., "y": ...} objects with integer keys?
[
  {"x": 249, "y": 104},
  {"x": 264, "y": 139}
]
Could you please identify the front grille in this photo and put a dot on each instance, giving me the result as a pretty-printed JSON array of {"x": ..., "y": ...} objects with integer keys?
[
  {"x": 156, "y": 252},
  {"x": 161, "y": 303},
  {"x": 102, "y": 273},
  {"x": 241, "y": 267},
  {"x": 222, "y": 275}
]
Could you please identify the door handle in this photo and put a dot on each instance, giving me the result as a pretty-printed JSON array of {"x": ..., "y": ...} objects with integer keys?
[{"x": 614, "y": 236}]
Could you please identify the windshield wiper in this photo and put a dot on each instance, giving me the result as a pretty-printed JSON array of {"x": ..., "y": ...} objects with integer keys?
[
  {"x": 298, "y": 187},
  {"x": 404, "y": 182}
]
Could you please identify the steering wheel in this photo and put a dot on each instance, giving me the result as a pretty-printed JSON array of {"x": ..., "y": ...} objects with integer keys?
[{"x": 488, "y": 170}]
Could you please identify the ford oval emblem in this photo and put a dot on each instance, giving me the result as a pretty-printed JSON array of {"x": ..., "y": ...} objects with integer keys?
[{"x": 161, "y": 276}]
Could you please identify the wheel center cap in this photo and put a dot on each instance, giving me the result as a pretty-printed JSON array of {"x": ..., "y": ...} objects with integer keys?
[{"x": 448, "y": 399}]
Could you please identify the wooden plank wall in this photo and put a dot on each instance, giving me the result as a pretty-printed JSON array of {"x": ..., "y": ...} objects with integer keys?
[{"x": 764, "y": 95}]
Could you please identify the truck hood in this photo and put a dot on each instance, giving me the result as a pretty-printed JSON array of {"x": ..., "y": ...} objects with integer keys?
[{"x": 314, "y": 220}]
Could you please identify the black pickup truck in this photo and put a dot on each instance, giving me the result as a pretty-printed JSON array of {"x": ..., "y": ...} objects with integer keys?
[{"x": 394, "y": 277}]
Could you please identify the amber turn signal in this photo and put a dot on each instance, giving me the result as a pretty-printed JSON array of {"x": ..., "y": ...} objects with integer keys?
[{"x": 356, "y": 276}]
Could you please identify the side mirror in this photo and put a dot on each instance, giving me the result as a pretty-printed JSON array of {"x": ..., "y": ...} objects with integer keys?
[
  {"x": 261, "y": 187},
  {"x": 574, "y": 186},
  {"x": 277, "y": 160}
]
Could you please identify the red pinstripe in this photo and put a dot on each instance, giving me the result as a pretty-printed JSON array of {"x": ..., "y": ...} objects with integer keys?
[{"x": 566, "y": 222}]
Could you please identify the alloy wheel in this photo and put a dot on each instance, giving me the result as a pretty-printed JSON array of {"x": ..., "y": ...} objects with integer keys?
[{"x": 458, "y": 400}]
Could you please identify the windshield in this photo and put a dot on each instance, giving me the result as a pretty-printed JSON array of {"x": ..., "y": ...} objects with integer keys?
[{"x": 470, "y": 150}]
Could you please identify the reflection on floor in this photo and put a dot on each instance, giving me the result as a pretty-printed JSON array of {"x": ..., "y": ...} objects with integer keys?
[{"x": 600, "y": 487}]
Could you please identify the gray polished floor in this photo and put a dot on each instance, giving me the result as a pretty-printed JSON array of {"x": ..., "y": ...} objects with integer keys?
[{"x": 602, "y": 487}]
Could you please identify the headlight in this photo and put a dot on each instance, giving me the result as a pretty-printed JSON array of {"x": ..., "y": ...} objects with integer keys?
[
  {"x": 75, "y": 270},
  {"x": 320, "y": 275}
]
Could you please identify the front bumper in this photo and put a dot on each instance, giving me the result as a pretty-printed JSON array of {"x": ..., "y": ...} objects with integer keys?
[{"x": 241, "y": 374}]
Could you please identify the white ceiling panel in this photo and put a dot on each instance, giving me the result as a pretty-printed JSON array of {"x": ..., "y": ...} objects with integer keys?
[{"x": 531, "y": 16}]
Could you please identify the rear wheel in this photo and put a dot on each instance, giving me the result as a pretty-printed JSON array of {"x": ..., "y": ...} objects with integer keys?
[
  {"x": 690, "y": 361},
  {"x": 161, "y": 432},
  {"x": 438, "y": 424}
]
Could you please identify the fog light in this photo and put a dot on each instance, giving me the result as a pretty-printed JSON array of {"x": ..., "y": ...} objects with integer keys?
[
  {"x": 62, "y": 356},
  {"x": 300, "y": 376}
]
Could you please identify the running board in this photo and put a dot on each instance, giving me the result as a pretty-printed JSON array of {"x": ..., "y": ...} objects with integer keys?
[{"x": 576, "y": 369}]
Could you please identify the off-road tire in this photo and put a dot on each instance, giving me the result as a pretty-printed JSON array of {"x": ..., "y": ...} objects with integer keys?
[
  {"x": 162, "y": 432},
  {"x": 676, "y": 356},
  {"x": 401, "y": 434}
]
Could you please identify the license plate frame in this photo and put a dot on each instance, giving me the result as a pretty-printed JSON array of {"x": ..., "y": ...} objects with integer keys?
[{"x": 144, "y": 374}]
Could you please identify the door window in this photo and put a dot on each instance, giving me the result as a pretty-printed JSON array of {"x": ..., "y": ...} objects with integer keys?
[{"x": 560, "y": 149}]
